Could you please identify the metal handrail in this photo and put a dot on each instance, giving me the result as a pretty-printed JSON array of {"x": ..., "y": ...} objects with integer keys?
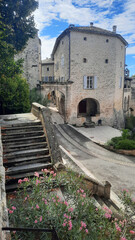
[{"x": 53, "y": 231}]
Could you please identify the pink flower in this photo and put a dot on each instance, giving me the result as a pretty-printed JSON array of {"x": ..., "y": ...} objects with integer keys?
[
  {"x": 96, "y": 209},
  {"x": 36, "y": 174},
  {"x": 125, "y": 190},
  {"x": 25, "y": 180},
  {"x": 37, "y": 206},
  {"x": 123, "y": 238},
  {"x": 83, "y": 224},
  {"x": 70, "y": 210},
  {"x": 54, "y": 175},
  {"x": 80, "y": 228},
  {"x": 132, "y": 232},
  {"x": 35, "y": 221},
  {"x": 81, "y": 190},
  {"x": 107, "y": 215},
  {"x": 82, "y": 203},
  {"x": 66, "y": 203},
  {"x": 64, "y": 224},
  {"x": 37, "y": 182},
  {"x": 41, "y": 219},
  {"x": 20, "y": 181},
  {"x": 14, "y": 232},
  {"x": 14, "y": 208},
  {"x": 46, "y": 202},
  {"x": 10, "y": 211},
  {"x": 86, "y": 230},
  {"x": 25, "y": 198},
  {"x": 52, "y": 172}
]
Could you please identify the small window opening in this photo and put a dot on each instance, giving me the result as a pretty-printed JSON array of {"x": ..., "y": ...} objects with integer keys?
[
  {"x": 107, "y": 40},
  {"x": 85, "y": 39},
  {"x": 84, "y": 60},
  {"x": 62, "y": 42},
  {"x": 48, "y": 69},
  {"x": 106, "y": 60}
]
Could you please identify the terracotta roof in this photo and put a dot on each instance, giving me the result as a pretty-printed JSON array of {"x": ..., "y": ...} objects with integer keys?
[{"x": 89, "y": 30}]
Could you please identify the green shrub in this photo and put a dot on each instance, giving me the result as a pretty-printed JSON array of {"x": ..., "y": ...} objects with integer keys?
[
  {"x": 126, "y": 144},
  {"x": 130, "y": 122},
  {"x": 35, "y": 96}
]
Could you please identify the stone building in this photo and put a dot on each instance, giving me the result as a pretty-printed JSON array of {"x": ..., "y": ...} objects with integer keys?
[
  {"x": 32, "y": 61},
  {"x": 89, "y": 65},
  {"x": 132, "y": 102}
]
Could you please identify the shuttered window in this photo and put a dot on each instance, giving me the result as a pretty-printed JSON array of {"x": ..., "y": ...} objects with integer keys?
[{"x": 89, "y": 82}]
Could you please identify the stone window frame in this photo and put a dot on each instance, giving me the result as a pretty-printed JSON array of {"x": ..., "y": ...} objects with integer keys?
[{"x": 90, "y": 82}]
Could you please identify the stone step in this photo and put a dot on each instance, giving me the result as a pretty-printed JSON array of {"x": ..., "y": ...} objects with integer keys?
[
  {"x": 32, "y": 152},
  {"x": 21, "y": 134},
  {"x": 17, "y": 141},
  {"x": 22, "y": 124},
  {"x": 27, "y": 160},
  {"x": 27, "y": 146},
  {"x": 22, "y": 129},
  {"x": 27, "y": 168}
]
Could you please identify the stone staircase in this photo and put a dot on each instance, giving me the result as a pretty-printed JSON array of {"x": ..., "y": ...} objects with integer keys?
[{"x": 25, "y": 150}]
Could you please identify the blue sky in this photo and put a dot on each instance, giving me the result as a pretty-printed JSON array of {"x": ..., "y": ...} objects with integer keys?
[{"x": 53, "y": 16}]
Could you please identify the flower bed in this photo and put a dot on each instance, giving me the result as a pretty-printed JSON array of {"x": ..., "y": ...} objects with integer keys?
[{"x": 36, "y": 205}]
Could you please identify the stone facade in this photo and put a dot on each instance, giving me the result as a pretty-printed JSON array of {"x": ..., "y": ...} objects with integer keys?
[
  {"x": 32, "y": 61},
  {"x": 47, "y": 70},
  {"x": 132, "y": 102},
  {"x": 90, "y": 63}
]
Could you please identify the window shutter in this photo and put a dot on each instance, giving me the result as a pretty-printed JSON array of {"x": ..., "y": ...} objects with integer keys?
[
  {"x": 120, "y": 82},
  {"x": 85, "y": 82},
  {"x": 95, "y": 82}
]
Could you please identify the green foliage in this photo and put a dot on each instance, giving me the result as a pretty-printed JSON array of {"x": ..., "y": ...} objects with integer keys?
[
  {"x": 17, "y": 15},
  {"x": 130, "y": 122},
  {"x": 14, "y": 95},
  {"x": 126, "y": 141},
  {"x": 126, "y": 144},
  {"x": 125, "y": 134},
  {"x": 35, "y": 96},
  {"x": 37, "y": 205}
]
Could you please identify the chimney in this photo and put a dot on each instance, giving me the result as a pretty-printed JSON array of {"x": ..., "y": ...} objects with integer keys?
[
  {"x": 114, "y": 28},
  {"x": 91, "y": 24}
]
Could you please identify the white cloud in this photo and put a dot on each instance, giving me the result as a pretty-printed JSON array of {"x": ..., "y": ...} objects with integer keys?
[
  {"x": 130, "y": 50},
  {"x": 47, "y": 46},
  {"x": 84, "y": 11}
]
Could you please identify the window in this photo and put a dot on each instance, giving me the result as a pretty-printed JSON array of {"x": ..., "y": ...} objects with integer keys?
[
  {"x": 84, "y": 60},
  {"x": 62, "y": 42},
  {"x": 107, "y": 40},
  {"x": 85, "y": 39},
  {"x": 90, "y": 82},
  {"x": 106, "y": 60},
  {"x": 47, "y": 69}
]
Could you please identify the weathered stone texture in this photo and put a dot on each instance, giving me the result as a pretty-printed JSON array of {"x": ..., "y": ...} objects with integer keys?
[
  {"x": 3, "y": 207},
  {"x": 32, "y": 61},
  {"x": 101, "y": 56}
]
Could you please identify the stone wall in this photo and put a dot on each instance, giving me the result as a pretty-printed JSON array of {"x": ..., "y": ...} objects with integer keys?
[
  {"x": 44, "y": 115},
  {"x": 3, "y": 208},
  {"x": 32, "y": 61}
]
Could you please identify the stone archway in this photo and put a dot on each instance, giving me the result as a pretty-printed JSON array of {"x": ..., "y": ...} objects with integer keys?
[{"x": 88, "y": 107}]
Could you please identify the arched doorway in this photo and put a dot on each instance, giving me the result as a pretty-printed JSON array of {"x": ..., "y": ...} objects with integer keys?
[{"x": 88, "y": 107}]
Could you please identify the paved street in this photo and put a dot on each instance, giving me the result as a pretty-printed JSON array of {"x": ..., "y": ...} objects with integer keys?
[{"x": 118, "y": 169}]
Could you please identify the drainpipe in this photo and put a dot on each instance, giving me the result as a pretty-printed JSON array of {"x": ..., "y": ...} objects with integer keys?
[{"x": 69, "y": 55}]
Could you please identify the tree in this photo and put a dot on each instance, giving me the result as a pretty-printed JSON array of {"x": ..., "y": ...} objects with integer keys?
[
  {"x": 16, "y": 26},
  {"x": 17, "y": 15}
]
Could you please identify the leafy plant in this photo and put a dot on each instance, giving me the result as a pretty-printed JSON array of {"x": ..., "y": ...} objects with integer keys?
[
  {"x": 35, "y": 96},
  {"x": 37, "y": 205}
]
